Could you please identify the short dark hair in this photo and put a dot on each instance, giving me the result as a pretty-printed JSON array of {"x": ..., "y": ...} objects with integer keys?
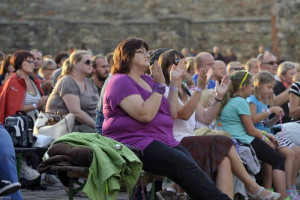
[
  {"x": 18, "y": 57},
  {"x": 155, "y": 54},
  {"x": 124, "y": 53},
  {"x": 60, "y": 56}
]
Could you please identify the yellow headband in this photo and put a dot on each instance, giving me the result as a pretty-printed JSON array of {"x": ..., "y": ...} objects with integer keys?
[{"x": 245, "y": 77}]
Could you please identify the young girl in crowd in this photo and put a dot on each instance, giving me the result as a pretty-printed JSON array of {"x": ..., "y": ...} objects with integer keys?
[
  {"x": 207, "y": 100},
  {"x": 260, "y": 107},
  {"x": 235, "y": 118}
]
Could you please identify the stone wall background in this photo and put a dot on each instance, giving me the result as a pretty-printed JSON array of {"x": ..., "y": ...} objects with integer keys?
[{"x": 56, "y": 25}]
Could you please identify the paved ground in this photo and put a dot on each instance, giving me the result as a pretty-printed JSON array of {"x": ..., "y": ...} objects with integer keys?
[{"x": 57, "y": 192}]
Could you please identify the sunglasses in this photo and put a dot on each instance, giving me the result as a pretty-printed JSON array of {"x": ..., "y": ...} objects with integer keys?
[
  {"x": 88, "y": 62},
  {"x": 176, "y": 61},
  {"x": 271, "y": 63}
]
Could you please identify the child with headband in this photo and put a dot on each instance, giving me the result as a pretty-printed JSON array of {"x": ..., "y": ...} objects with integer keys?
[
  {"x": 260, "y": 107},
  {"x": 235, "y": 118}
]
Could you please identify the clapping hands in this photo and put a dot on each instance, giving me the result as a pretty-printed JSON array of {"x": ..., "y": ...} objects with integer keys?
[
  {"x": 177, "y": 73},
  {"x": 157, "y": 73},
  {"x": 222, "y": 88}
]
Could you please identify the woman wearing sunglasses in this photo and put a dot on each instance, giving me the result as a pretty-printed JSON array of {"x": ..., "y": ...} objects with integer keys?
[{"x": 75, "y": 93}]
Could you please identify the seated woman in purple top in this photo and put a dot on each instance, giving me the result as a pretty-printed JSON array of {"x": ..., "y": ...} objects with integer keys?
[{"x": 137, "y": 113}]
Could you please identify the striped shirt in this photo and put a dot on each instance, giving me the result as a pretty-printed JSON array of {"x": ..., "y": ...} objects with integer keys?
[
  {"x": 295, "y": 88},
  {"x": 31, "y": 99}
]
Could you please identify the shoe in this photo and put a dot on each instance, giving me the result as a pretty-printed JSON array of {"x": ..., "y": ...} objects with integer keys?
[
  {"x": 28, "y": 173},
  {"x": 49, "y": 179},
  {"x": 6, "y": 187},
  {"x": 183, "y": 196},
  {"x": 259, "y": 195},
  {"x": 166, "y": 195}
]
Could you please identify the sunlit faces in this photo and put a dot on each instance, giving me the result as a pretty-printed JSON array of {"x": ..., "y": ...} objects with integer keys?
[
  {"x": 270, "y": 64},
  {"x": 254, "y": 67},
  {"x": 207, "y": 62},
  {"x": 27, "y": 66},
  {"x": 220, "y": 69},
  {"x": 49, "y": 71},
  {"x": 141, "y": 58},
  {"x": 248, "y": 89},
  {"x": 191, "y": 71},
  {"x": 102, "y": 69},
  {"x": 266, "y": 90},
  {"x": 288, "y": 77},
  {"x": 85, "y": 64},
  {"x": 38, "y": 59}
]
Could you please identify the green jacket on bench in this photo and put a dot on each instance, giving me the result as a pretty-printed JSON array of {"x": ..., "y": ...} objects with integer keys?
[{"x": 110, "y": 165}]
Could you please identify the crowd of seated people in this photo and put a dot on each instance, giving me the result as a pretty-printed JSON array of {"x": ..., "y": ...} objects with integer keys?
[{"x": 155, "y": 107}]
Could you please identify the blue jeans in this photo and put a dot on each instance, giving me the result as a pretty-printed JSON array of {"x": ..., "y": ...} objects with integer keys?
[
  {"x": 99, "y": 121},
  {"x": 8, "y": 169}
]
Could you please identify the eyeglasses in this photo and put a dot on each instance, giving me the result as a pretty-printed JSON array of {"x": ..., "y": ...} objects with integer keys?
[
  {"x": 271, "y": 63},
  {"x": 245, "y": 77},
  {"x": 29, "y": 61},
  {"x": 236, "y": 69},
  {"x": 50, "y": 69},
  {"x": 88, "y": 62},
  {"x": 142, "y": 52}
]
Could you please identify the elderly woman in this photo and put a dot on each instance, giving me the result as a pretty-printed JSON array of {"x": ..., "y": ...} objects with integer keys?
[
  {"x": 137, "y": 114},
  {"x": 46, "y": 71},
  {"x": 285, "y": 73},
  {"x": 75, "y": 93},
  {"x": 21, "y": 88},
  {"x": 216, "y": 155}
]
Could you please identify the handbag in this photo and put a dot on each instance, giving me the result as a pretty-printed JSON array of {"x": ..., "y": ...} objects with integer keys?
[
  {"x": 20, "y": 128},
  {"x": 54, "y": 125},
  {"x": 206, "y": 131}
]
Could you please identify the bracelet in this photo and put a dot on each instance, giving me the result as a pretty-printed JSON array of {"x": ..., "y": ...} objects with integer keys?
[
  {"x": 264, "y": 133},
  {"x": 198, "y": 89},
  {"x": 173, "y": 88},
  {"x": 159, "y": 88},
  {"x": 218, "y": 100},
  {"x": 268, "y": 111},
  {"x": 34, "y": 106}
]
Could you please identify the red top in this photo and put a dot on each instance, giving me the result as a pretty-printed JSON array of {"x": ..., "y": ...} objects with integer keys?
[{"x": 12, "y": 95}]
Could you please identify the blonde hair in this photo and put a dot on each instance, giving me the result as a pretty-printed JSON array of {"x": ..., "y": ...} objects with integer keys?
[
  {"x": 261, "y": 78},
  {"x": 235, "y": 85},
  {"x": 189, "y": 64},
  {"x": 205, "y": 97},
  {"x": 284, "y": 67},
  {"x": 75, "y": 57}
]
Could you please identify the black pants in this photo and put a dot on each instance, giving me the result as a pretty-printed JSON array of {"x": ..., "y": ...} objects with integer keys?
[
  {"x": 268, "y": 155},
  {"x": 178, "y": 165}
]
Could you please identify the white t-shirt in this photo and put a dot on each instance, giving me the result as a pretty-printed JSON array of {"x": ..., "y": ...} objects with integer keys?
[{"x": 183, "y": 128}]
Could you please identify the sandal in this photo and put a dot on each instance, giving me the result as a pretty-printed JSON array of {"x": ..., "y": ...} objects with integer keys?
[{"x": 259, "y": 195}]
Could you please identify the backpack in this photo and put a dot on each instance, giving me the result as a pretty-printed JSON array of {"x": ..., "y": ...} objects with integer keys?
[{"x": 20, "y": 128}]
